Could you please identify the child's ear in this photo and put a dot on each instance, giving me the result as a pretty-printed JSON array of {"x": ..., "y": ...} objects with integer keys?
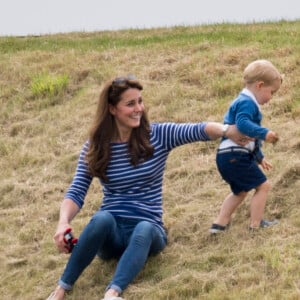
[{"x": 260, "y": 84}]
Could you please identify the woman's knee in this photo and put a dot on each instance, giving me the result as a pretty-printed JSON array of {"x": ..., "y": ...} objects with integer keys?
[
  {"x": 144, "y": 228},
  {"x": 101, "y": 221},
  {"x": 147, "y": 233}
]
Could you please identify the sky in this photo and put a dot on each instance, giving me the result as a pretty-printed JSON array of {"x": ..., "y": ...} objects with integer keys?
[{"x": 36, "y": 17}]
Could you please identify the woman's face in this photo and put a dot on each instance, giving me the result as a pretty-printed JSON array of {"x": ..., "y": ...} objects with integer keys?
[{"x": 129, "y": 110}]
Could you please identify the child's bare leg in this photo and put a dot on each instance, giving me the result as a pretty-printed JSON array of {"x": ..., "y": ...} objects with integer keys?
[
  {"x": 229, "y": 205},
  {"x": 258, "y": 203}
]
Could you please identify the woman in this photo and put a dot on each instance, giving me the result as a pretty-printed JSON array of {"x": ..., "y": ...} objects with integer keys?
[{"x": 128, "y": 155}]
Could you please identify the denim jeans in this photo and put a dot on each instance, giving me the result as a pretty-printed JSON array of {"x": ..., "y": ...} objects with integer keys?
[{"x": 111, "y": 237}]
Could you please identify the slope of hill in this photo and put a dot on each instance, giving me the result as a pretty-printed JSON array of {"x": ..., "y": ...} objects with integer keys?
[{"x": 49, "y": 87}]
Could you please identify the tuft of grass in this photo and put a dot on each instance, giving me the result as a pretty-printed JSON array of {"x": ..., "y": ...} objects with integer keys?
[{"x": 47, "y": 85}]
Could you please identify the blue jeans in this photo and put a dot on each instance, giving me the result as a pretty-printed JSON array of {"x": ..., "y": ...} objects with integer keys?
[{"x": 112, "y": 237}]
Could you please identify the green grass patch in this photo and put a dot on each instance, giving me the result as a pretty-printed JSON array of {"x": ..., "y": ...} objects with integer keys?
[{"x": 47, "y": 85}]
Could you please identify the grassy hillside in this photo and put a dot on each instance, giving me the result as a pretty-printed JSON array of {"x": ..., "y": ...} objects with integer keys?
[{"x": 49, "y": 87}]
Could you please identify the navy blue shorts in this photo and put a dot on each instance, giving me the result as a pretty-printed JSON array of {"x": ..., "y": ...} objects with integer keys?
[{"x": 240, "y": 170}]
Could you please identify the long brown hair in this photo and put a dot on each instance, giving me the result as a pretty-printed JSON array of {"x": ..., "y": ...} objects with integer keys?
[{"x": 104, "y": 129}]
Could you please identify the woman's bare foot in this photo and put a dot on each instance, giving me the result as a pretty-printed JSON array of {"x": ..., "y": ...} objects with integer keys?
[
  {"x": 111, "y": 293},
  {"x": 58, "y": 294}
]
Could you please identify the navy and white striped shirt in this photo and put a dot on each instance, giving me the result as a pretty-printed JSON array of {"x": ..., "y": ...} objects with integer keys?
[{"x": 136, "y": 191}]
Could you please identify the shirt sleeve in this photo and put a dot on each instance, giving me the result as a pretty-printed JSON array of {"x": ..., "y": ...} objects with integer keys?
[
  {"x": 245, "y": 120},
  {"x": 176, "y": 134},
  {"x": 81, "y": 180}
]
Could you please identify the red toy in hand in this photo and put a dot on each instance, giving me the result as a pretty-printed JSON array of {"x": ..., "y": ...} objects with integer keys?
[{"x": 69, "y": 239}]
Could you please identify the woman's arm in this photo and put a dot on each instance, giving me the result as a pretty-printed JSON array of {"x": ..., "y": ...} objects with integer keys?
[
  {"x": 68, "y": 211},
  {"x": 216, "y": 130}
]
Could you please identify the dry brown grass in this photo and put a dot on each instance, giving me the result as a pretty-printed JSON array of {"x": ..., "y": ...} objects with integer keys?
[{"x": 189, "y": 74}]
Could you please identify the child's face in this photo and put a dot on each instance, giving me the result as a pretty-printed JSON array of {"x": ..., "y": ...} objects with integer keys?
[{"x": 263, "y": 92}]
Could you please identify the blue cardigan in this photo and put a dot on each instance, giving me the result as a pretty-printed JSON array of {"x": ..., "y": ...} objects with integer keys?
[{"x": 245, "y": 114}]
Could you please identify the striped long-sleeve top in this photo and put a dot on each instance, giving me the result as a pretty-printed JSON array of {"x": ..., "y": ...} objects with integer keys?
[{"x": 136, "y": 191}]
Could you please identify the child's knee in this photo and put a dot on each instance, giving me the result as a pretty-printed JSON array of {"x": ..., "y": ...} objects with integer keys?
[{"x": 266, "y": 186}]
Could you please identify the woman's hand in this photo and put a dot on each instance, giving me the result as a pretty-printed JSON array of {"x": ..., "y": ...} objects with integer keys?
[
  {"x": 59, "y": 237},
  {"x": 235, "y": 135},
  {"x": 68, "y": 211},
  {"x": 215, "y": 131}
]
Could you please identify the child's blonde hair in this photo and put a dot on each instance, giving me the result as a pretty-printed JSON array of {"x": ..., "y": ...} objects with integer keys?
[{"x": 262, "y": 70}]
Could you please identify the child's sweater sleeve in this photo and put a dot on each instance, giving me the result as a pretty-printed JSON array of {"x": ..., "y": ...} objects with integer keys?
[{"x": 248, "y": 120}]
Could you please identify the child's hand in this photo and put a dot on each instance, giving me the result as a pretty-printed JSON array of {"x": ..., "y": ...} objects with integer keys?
[
  {"x": 272, "y": 137},
  {"x": 266, "y": 165}
]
